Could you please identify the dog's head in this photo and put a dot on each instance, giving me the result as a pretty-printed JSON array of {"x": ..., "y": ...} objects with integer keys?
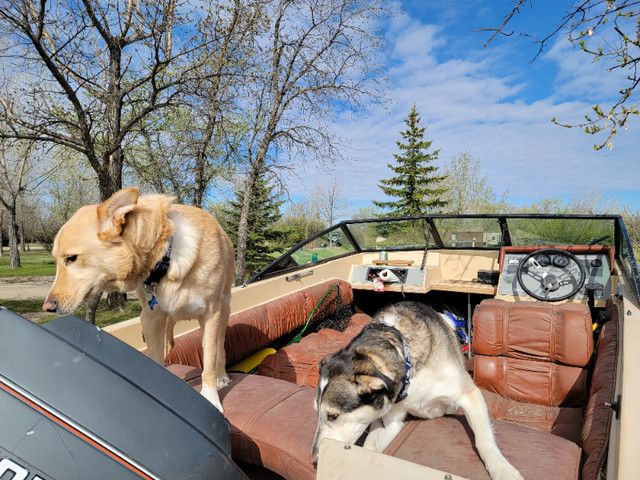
[
  {"x": 91, "y": 254},
  {"x": 352, "y": 393}
]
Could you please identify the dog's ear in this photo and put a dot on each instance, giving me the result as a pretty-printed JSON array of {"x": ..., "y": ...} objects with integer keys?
[
  {"x": 112, "y": 213},
  {"x": 369, "y": 383}
]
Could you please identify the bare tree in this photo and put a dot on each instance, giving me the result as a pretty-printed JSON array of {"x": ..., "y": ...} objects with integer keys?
[
  {"x": 90, "y": 71},
  {"x": 467, "y": 189},
  {"x": 329, "y": 201},
  {"x": 617, "y": 24},
  {"x": 317, "y": 58},
  {"x": 22, "y": 171},
  {"x": 182, "y": 151}
]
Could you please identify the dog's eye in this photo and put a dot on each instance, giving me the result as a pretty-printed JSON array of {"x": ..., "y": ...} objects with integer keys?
[
  {"x": 332, "y": 417},
  {"x": 69, "y": 260}
]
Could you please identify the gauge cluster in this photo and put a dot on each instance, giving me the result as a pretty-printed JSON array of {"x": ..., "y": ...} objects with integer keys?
[{"x": 552, "y": 274}]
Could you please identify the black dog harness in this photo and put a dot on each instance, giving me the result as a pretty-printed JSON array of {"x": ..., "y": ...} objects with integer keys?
[{"x": 159, "y": 271}]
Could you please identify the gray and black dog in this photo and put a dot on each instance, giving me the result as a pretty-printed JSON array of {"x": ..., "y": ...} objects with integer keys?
[{"x": 406, "y": 361}]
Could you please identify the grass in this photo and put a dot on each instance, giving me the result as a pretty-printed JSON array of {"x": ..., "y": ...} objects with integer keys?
[
  {"x": 104, "y": 317},
  {"x": 34, "y": 263}
]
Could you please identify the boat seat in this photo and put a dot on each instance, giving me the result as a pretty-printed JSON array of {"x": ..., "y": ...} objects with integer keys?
[
  {"x": 533, "y": 361},
  {"x": 273, "y": 423},
  {"x": 256, "y": 328},
  {"x": 599, "y": 414},
  {"x": 298, "y": 362}
]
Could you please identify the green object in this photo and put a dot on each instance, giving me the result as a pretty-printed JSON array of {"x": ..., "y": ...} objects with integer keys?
[{"x": 298, "y": 337}]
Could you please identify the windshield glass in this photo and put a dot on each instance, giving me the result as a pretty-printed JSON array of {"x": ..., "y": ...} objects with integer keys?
[
  {"x": 469, "y": 232},
  {"x": 448, "y": 232},
  {"x": 561, "y": 231},
  {"x": 392, "y": 235},
  {"x": 326, "y": 246}
]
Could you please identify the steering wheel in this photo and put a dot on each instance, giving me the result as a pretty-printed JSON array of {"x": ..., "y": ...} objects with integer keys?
[{"x": 551, "y": 274}]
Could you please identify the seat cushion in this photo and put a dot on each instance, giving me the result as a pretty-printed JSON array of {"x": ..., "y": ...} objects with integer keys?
[
  {"x": 256, "y": 328},
  {"x": 599, "y": 415},
  {"x": 272, "y": 424},
  {"x": 534, "y": 382},
  {"x": 566, "y": 422},
  {"x": 446, "y": 443},
  {"x": 559, "y": 333},
  {"x": 298, "y": 362}
]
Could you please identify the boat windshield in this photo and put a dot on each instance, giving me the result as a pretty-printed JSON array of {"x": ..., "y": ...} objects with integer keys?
[{"x": 455, "y": 232}]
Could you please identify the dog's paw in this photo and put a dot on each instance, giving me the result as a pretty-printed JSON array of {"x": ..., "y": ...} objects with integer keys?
[
  {"x": 376, "y": 440},
  {"x": 506, "y": 472},
  {"x": 223, "y": 381},
  {"x": 211, "y": 394}
]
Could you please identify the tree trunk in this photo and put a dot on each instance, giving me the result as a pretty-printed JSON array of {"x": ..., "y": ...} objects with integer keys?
[
  {"x": 14, "y": 254},
  {"x": 201, "y": 160},
  {"x": 116, "y": 300},
  {"x": 22, "y": 239},
  {"x": 243, "y": 225},
  {"x": 91, "y": 307}
]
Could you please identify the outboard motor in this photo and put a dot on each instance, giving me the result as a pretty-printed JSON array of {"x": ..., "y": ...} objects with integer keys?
[{"x": 77, "y": 403}]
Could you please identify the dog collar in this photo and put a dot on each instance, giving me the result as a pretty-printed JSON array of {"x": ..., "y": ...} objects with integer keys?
[
  {"x": 159, "y": 271},
  {"x": 407, "y": 370},
  {"x": 402, "y": 394}
]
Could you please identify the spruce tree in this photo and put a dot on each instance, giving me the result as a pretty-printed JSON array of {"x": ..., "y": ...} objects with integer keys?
[
  {"x": 264, "y": 238},
  {"x": 416, "y": 184}
]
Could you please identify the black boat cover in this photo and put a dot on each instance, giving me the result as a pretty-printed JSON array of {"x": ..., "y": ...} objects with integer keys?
[{"x": 77, "y": 403}]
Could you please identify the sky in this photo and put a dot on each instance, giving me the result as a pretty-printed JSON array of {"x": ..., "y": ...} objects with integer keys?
[{"x": 495, "y": 103}]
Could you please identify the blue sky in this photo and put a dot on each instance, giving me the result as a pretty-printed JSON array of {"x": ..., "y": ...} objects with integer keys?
[{"x": 492, "y": 102}]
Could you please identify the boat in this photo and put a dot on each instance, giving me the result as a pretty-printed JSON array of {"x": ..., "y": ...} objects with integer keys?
[{"x": 548, "y": 317}]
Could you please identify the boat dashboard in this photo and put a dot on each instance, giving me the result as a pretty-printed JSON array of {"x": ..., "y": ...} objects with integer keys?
[
  {"x": 549, "y": 274},
  {"x": 555, "y": 274}
]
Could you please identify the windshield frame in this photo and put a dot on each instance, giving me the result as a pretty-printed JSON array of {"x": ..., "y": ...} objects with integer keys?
[{"x": 346, "y": 228}]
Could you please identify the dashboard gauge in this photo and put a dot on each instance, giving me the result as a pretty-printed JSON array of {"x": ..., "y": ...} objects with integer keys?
[
  {"x": 560, "y": 261},
  {"x": 543, "y": 260},
  {"x": 596, "y": 262}
]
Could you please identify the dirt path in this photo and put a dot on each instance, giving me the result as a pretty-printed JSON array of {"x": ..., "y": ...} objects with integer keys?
[{"x": 25, "y": 288}]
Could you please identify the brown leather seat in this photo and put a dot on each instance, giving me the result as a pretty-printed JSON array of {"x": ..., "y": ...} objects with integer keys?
[
  {"x": 273, "y": 423},
  {"x": 539, "y": 373},
  {"x": 534, "y": 358},
  {"x": 598, "y": 414},
  {"x": 256, "y": 328},
  {"x": 298, "y": 363}
]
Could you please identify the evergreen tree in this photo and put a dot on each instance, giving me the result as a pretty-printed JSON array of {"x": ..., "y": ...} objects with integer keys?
[
  {"x": 416, "y": 184},
  {"x": 264, "y": 238}
]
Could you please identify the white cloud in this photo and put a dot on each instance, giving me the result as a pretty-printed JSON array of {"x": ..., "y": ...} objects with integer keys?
[{"x": 473, "y": 105}]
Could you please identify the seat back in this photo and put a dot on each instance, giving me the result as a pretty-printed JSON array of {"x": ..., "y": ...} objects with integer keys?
[
  {"x": 258, "y": 327},
  {"x": 535, "y": 353},
  {"x": 599, "y": 414}
]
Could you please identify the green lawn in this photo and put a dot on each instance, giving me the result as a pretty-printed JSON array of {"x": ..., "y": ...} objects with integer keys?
[
  {"x": 103, "y": 317},
  {"x": 34, "y": 263},
  {"x": 38, "y": 262}
]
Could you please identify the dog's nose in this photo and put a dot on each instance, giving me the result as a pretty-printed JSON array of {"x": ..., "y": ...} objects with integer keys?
[
  {"x": 50, "y": 306},
  {"x": 314, "y": 459}
]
